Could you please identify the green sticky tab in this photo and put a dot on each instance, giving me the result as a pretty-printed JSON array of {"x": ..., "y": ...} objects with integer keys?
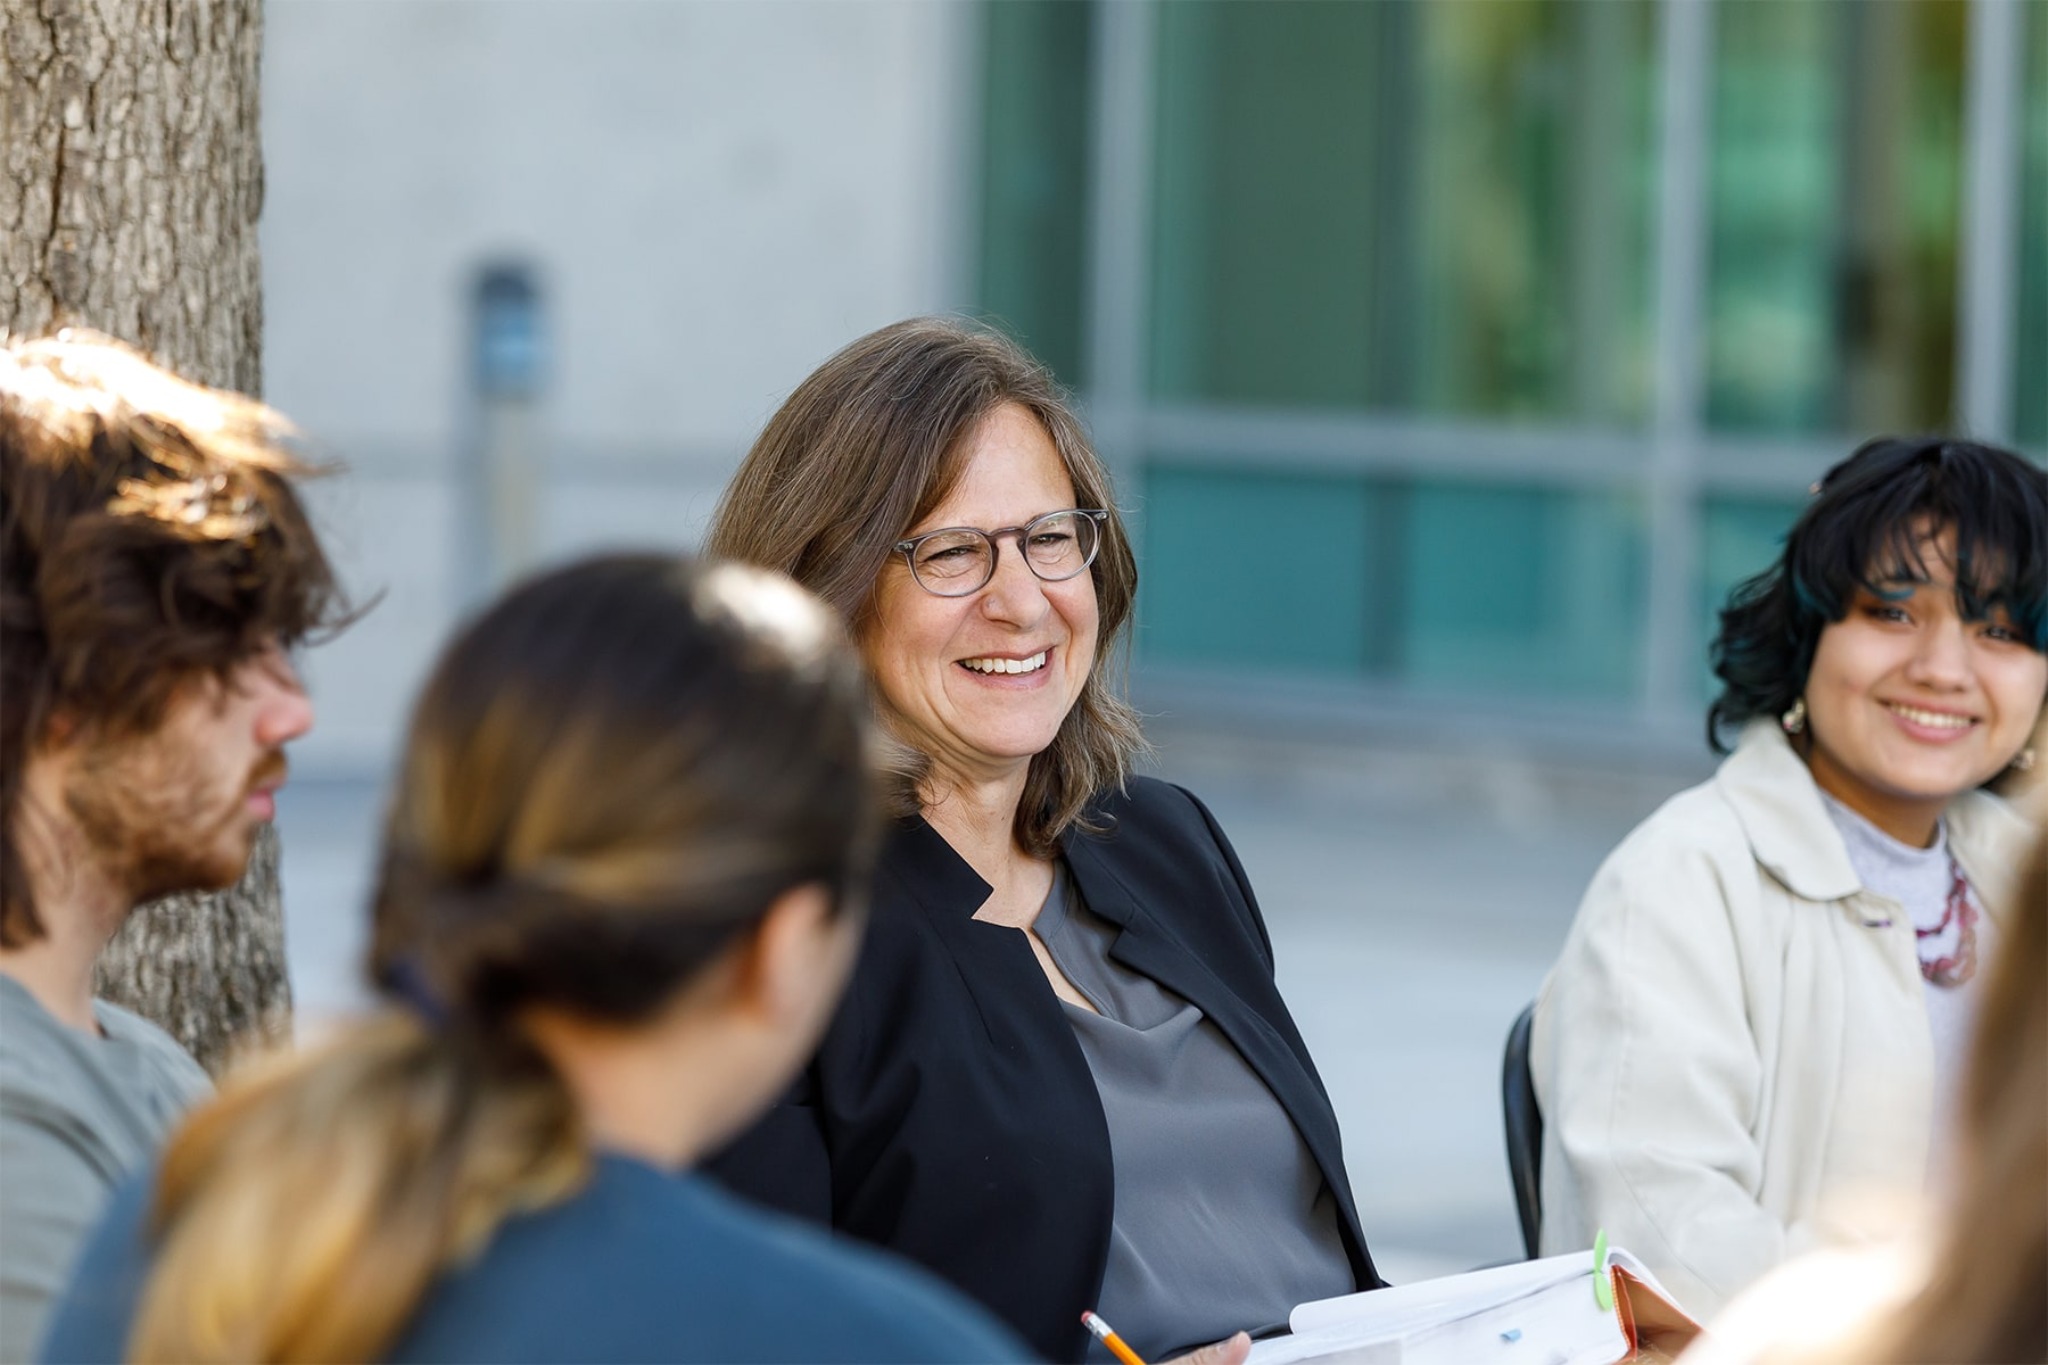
[{"x": 1603, "y": 1287}]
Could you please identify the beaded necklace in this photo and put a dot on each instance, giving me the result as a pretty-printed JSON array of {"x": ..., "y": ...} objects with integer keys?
[{"x": 1958, "y": 967}]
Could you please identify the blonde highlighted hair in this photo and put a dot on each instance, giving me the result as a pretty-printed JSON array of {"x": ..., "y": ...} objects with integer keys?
[{"x": 610, "y": 776}]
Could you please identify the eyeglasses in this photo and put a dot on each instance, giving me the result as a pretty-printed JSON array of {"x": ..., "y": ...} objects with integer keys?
[{"x": 959, "y": 560}]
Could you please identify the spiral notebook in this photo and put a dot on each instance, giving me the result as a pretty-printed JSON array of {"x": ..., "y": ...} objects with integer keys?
[{"x": 1531, "y": 1313}]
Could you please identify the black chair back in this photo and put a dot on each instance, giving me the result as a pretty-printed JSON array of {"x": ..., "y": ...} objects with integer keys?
[{"x": 1524, "y": 1129}]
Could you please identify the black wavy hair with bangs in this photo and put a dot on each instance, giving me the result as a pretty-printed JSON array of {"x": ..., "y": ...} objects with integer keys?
[{"x": 1865, "y": 528}]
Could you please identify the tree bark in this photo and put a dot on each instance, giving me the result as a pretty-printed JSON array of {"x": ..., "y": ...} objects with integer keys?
[{"x": 134, "y": 182}]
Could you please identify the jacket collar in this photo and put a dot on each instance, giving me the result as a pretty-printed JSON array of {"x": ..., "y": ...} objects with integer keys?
[
  {"x": 934, "y": 874},
  {"x": 1991, "y": 838},
  {"x": 933, "y": 871},
  {"x": 1786, "y": 822},
  {"x": 1783, "y": 817},
  {"x": 950, "y": 891}
]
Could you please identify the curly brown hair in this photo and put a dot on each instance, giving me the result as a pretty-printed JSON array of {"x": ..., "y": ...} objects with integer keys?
[{"x": 149, "y": 532}]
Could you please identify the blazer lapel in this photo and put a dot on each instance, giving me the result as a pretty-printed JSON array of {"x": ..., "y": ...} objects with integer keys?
[{"x": 995, "y": 963}]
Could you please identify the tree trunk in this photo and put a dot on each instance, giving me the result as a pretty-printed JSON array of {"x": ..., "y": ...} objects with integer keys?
[{"x": 134, "y": 180}]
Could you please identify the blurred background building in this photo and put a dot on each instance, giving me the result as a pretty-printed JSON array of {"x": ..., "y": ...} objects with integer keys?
[
  {"x": 1454, "y": 358},
  {"x": 1450, "y": 353}
]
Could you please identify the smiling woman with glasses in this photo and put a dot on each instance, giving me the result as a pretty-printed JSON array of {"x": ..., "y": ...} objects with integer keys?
[{"x": 1062, "y": 1078}]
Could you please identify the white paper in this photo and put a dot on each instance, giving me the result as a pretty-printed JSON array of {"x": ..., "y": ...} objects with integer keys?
[{"x": 1530, "y": 1313}]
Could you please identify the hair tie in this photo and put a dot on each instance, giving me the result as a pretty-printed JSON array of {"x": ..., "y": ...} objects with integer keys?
[{"x": 407, "y": 982}]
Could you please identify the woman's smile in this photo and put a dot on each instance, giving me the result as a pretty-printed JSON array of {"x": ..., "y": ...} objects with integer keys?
[
  {"x": 1007, "y": 666},
  {"x": 1930, "y": 724}
]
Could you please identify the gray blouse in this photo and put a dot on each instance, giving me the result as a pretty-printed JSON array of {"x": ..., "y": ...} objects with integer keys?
[{"x": 1223, "y": 1219}]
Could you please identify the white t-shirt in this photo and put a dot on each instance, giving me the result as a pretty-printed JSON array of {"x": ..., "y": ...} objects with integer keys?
[{"x": 1918, "y": 880}]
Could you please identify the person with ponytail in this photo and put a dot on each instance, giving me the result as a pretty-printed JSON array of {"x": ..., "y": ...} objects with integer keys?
[{"x": 619, "y": 894}]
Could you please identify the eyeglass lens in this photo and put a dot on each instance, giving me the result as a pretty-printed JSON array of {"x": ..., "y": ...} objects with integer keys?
[{"x": 953, "y": 563}]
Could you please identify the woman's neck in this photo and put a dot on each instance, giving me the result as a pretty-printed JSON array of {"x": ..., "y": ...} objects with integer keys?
[
  {"x": 1913, "y": 821},
  {"x": 979, "y": 821},
  {"x": 641, "y": 1089},
  {"x": 978, "y": 817}
]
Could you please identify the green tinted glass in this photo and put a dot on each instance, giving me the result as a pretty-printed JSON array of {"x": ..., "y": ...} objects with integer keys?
[
  {"x": 1257, "y": 571},
  {"x": 1436, "y": 207},
  {"x": 1835, "y": 176},
  {"x": 1034, "y": 198},
  {"x": 1461, "y": 588},
  {"x": 2030, "y": 388},
  {"x": 1522, "y": 590}
]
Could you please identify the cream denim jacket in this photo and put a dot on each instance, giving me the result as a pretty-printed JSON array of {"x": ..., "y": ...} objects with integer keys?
[{"x": 1732, "y": 1052}]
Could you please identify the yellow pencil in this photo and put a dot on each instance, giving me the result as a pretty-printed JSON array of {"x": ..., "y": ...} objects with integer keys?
[{"x": 1110, "y": 1339}]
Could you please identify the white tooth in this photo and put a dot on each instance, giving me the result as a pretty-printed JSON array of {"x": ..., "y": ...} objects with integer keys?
[
  {"x": 992, "y": 665},
  {"x": 1939, "y": 720}
]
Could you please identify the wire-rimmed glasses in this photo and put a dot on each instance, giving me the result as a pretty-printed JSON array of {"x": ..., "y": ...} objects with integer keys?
[{"x": 957, "y": 560}]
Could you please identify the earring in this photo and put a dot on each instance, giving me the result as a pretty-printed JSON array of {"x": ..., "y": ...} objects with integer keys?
[
  {"x": 1794, "y": 719},
  {"x": 2023, "y": 761}
]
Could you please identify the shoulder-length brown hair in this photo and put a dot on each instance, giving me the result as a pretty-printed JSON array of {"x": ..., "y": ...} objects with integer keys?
[{"x": 869, "y": 444}]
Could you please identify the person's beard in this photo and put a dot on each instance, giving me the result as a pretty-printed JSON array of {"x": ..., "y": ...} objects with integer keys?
[{"x": 160, "y": 826}]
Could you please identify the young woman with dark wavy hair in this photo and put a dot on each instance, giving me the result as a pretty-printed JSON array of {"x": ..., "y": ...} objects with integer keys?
[{"x": 1760, "y": 1018}]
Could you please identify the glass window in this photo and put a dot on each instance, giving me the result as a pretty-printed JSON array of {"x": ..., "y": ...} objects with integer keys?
[
  {"x": 1259, "y": 571},
  {"x": 1835, "y": 178},
  {"x": 2030, "y": 381},
  {"x": 1522, "y": 590},
  {"x": 1460, "y": 587},
  {"x": 1427, "y": 207},
  {"x": 1035, "y": 184},
  {"x": 1267, "y": 210},
  {"x": 1532, "y": 180}
]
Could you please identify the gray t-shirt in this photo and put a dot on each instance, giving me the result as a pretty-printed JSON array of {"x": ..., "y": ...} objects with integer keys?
[
  {"x": 77, "y": 1113},
  {"x": 1223, "y": 1219}
]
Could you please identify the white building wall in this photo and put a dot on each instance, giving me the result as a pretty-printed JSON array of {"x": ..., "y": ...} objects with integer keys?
[{"x": 715, "y": 195}]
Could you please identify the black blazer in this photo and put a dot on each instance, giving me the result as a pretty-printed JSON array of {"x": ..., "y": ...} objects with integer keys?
[{"x": 949, "y": 1114}]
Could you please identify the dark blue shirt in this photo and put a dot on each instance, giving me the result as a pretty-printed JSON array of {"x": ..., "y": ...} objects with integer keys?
[{"x": 640, "y": 1265}]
